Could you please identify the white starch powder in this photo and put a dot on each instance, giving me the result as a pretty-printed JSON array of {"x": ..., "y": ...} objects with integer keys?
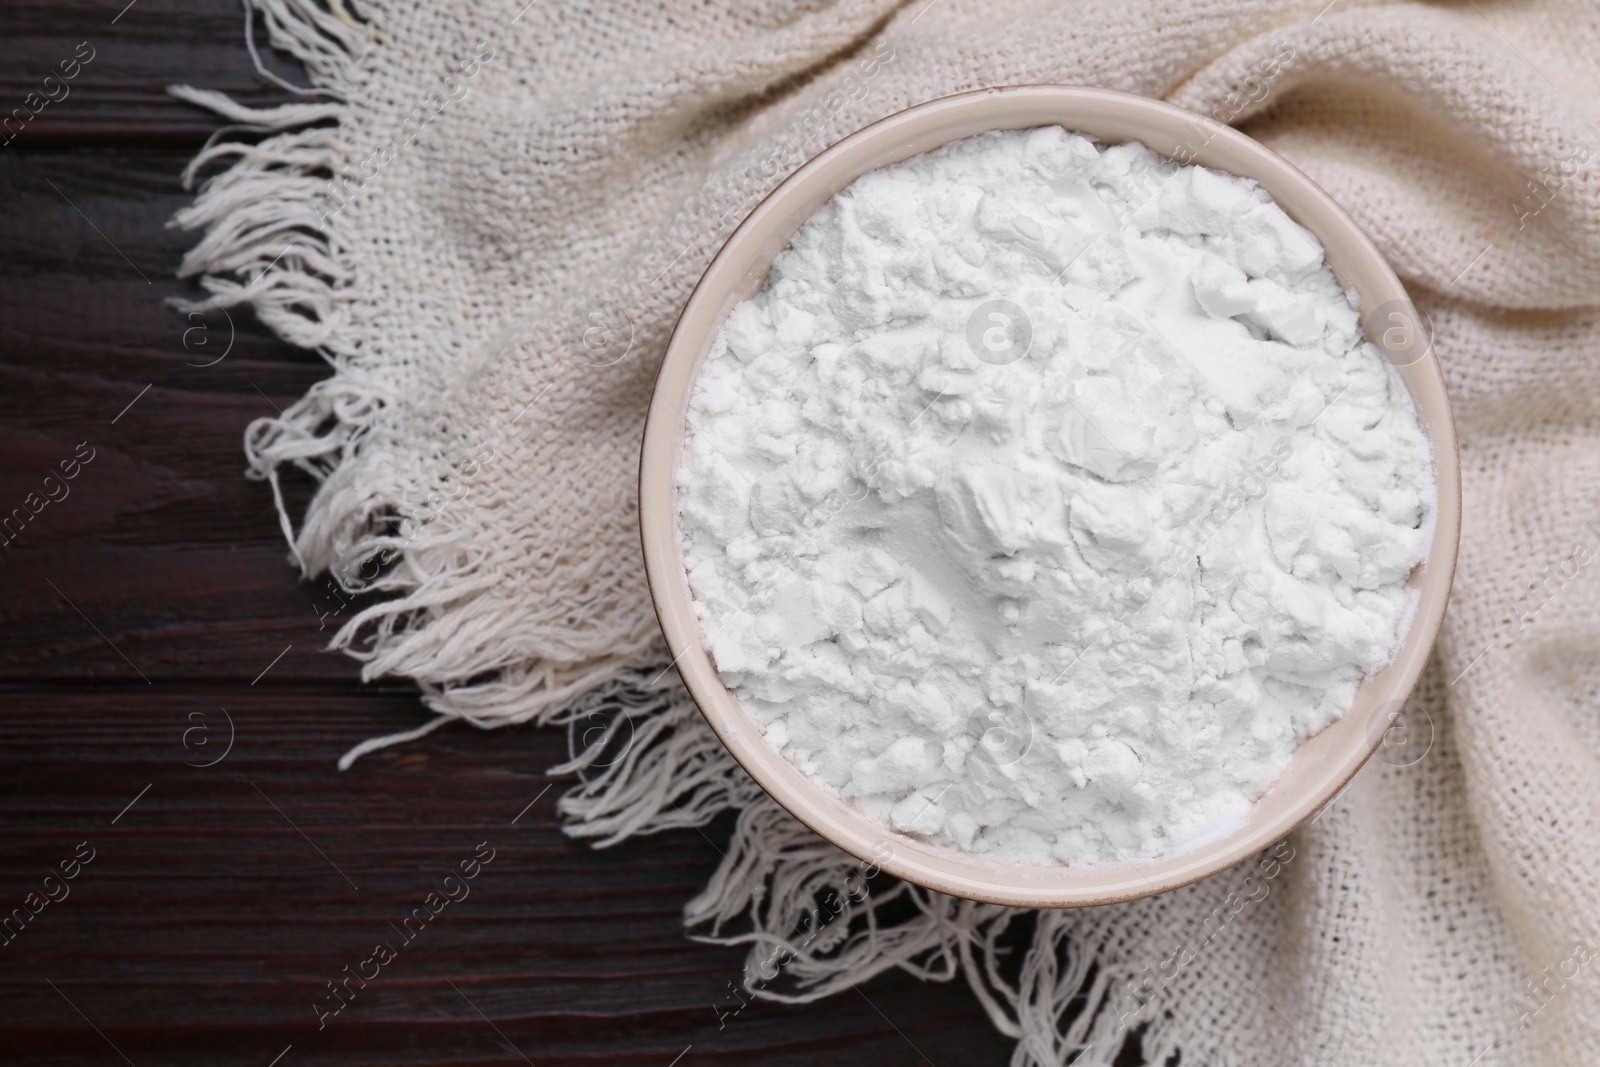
[{"x": 1047, "y": 495}]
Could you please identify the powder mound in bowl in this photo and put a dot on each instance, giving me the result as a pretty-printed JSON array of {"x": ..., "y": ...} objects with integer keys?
[{"x": 1047, "y": 495}]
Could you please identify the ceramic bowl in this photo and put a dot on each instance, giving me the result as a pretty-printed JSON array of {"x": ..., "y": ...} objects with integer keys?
[{"x": 1321, "y": 765}]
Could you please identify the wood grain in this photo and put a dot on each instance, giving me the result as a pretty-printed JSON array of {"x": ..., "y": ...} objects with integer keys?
[
  {"x": 219, "y": 905},
  {"x": 136, "y": 614}
]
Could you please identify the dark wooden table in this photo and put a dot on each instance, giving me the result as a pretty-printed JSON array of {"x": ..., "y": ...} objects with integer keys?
[{"x": 151, "y": 603}]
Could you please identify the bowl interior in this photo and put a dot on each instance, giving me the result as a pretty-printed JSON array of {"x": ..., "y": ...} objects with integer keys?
[{"x": 1318, "y": 768}]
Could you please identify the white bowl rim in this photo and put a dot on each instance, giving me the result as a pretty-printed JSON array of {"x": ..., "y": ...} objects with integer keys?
[{"x": 1320, "y": 767}]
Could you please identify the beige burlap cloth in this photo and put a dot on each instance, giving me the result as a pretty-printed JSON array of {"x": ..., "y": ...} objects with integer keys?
[{"x": 487, "y": 218}]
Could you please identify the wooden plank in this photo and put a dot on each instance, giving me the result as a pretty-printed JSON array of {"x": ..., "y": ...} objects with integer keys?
[
  {"x": 138, "y": 610},
  {"x": 219, "y": 905},
  {"x": 140, "y": 565},
  {"x": 133, "y": 52}
]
